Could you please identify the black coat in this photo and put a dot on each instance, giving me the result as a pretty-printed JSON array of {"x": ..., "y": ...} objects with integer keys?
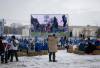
[
  {"x": 90, "y": 48},
  {"x": 2, "y": 48}
]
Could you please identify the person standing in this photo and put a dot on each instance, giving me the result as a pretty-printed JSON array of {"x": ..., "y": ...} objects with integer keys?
[
  {"x": 62, "y": 42},
  {"x": 64, "y": 19},
  {"x": 52, "y": 45},
  {"x": 14, "y": 49},
  {"x": 6, "y": 46},
  {"x": 55, "y": 24},
  {"x": 66, "y": 43},
  {"x": 2, "y": 50}
]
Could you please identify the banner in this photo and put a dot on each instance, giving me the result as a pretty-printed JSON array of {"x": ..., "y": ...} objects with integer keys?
[{"x": 42, "y": 24}]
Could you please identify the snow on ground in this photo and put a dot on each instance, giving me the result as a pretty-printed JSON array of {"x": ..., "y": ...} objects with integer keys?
[{"x": 65, "y": 60}]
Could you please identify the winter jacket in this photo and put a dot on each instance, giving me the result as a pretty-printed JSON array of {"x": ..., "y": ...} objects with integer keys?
[
  {"x": 52, "y": 44},
  {"x": 14, "y": 45},
  {"x": 2, "y": 48}
]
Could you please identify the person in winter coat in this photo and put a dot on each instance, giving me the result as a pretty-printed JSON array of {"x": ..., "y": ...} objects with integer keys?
[
  {"x": 52, "y": 46},
  {"x": 89, "y": 47},
  {"x": 2, "y": 50},
  {"x": 62, "y": 41},
  {"x": 6, "y": 46},
  {"x": 13, "y": 49}
]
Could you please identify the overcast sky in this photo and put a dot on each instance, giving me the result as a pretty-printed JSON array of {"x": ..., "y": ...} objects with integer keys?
[{"x": 81, "y": 12}]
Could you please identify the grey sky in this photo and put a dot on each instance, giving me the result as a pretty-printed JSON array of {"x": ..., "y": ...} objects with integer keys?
[{"x": 81, "y": 12}]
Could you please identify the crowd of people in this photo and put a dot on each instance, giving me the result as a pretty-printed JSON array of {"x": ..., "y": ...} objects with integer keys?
[
  {"x": 8, "y": 51},
  {"x": 89, "y": 45},
  {"x": 10, "y": 47}
]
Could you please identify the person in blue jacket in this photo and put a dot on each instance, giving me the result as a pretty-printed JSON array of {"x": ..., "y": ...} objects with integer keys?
[{"x": 62, "y": 41}]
